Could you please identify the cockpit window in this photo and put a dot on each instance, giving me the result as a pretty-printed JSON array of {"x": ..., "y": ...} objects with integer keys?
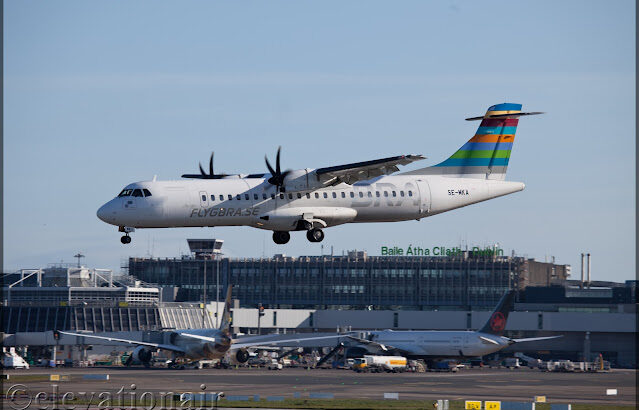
[
  {"x": 137, "y": 192},
  {"x": 146, "y": 192},
  {"x": 125, "y": 192}
]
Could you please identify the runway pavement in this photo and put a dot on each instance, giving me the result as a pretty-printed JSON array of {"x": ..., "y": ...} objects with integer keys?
[{"x": 481, "y": 384}]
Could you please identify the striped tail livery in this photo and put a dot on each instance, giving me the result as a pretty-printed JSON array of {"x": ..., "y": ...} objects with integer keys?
[{"x": 486, "y": 154}]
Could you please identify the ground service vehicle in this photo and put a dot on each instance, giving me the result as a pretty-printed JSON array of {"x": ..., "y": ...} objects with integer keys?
[{"x": 371, "y": 363}]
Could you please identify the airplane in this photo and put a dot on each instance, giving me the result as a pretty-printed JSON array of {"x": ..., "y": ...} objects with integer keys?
[
  {"x": 433, "y": 345},
  {"x": 314, "y": 199},
  {"x": 192, "y": 345}
]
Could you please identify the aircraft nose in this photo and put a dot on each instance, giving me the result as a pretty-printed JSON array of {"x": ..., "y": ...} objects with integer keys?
[{"x": 105, "y": 213}]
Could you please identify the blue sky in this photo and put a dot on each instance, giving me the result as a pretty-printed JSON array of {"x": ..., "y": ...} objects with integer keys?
[{"x": 101, "y": 94}]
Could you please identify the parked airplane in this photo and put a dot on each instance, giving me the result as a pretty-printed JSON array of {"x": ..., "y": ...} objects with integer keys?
[
  {"x": 191, "y": 345},
  {"x": 313, "y": 199},
  {"x": 436, "y": 344}
]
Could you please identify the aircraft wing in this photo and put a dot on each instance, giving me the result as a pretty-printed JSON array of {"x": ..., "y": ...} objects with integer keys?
[
  {"x": 384, "y": 347},
  {"x": 358, "y": 171},
  {"x": 259, "y": 343},
  {"x": 172, "y": 348},
  {"x": 533, "y": 339}
]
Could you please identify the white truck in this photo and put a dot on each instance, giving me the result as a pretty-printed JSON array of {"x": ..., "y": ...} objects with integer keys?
[
  {"x": 12, "y": 360},
  {"x": 370, "y": 363},
  {"x": 274, "y": 365}
]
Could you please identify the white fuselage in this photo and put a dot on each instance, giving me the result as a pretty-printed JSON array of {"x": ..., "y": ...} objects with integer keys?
[
  {"x": 441, "y": 344},
  {"x": 197, "y": 349},
  {"x": 255, "y": 202}
]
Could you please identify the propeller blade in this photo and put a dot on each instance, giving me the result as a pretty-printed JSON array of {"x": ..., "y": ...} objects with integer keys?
[
  {"x": 202, "y": 170},
  {"x": 277, "y": 160},
  {"x": 211, "y": 164},
  {"x": 270, "y": 168}
]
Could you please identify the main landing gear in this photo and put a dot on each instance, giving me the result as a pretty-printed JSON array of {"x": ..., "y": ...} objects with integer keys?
[
  {"x": 281, "y": 237},
  {"x": 315, "y": 235}
]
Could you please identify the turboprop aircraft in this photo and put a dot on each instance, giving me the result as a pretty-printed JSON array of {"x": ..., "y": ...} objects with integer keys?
[
  {"x": 314, "y": 199},
  {"x": 434, "y": 345},
  {"x": 190, "y": 345}
]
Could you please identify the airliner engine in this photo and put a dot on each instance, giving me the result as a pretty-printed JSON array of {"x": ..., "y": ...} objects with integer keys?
[
  {"x": 143, "y": 355},
  {"x": 242, "y": 356}
]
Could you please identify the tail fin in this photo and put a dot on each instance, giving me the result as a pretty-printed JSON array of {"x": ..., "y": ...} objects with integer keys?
[
  {"x": 225, "y": 324},
  {"x": 497, "y": 321},
  {"x": 486, "y": 154}
]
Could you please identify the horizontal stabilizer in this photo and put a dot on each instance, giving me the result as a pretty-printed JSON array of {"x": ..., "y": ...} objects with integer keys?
[
  {"x": 487, "y": 340},
  {"x": 497, "y": 116},
  {"x": 534, "y": 339}
]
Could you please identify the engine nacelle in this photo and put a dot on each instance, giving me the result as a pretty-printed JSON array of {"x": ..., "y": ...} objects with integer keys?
[
  {"x": 242, "y": 356},
  {"x": 143, "y": 355},
  {"x": 304, "y": 180}
]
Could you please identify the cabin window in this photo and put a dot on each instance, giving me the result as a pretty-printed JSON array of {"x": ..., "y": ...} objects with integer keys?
[
  {"x": 370, "y": 194},
  {"x": 394, "y": 194},
  {"x": 204, "y": 198},
  {"x": 230, "y": 197},
  {"x": 352, "y": 194},
  {"x": 308, "y": 196},
  {"x": 377, "y": 194},
  {"x": 125, "y": 192},
  {"x": 212, "y": 197},
  {"x": 385, "y": 193},
  {"x": 290, "y": 196},
  {"x": 246, "y": 196},
  {"x": 343, "y": 194},
  {"x": 325, "y": 195},
  {"x": 316, "y": 195},
  {"x": 238, "y": 197},
  {"x": 299, "y": 195},
  {"x": 401, "y": 193},
  {"x": 281, "y": 196},
  {"x": 334, "y": 194},
  {"x": 263, "y": 196},
  {"x": 410, "y": 193},
  {"x": 361, "y": 194},
  {"x": 272, "y": 196},
  {"x": 255, "y": 197},
  {"x": 138, "y": 192},
  {"x": 146, "y": 192},
  {"x": 221, "y": 197}
]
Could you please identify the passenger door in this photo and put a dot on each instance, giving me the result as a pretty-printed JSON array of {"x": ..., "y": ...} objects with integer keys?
[{"x": 424, "y": 196}]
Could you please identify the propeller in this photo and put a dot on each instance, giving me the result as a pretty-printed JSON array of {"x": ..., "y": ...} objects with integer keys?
[
  {"x": 278, "y": 176},
  {"x": 203, "y": 174}
]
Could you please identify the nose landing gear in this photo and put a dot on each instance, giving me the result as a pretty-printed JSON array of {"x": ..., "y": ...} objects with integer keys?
[{"x": 126, "y": 238}]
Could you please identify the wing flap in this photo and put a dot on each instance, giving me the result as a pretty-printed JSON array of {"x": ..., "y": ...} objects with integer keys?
[{"x": 361, "y": 171}]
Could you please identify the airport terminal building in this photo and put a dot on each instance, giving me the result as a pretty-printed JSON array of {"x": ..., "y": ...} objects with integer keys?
[
  {"x": 353, "y": 281},
  {"x": 354, "y": 292}
]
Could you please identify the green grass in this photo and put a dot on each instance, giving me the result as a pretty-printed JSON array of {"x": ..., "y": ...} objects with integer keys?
[
  {"x": 351, "y": 404},
  {"x": 362, "y": 404},
  {"x": 19, "y": 378}
]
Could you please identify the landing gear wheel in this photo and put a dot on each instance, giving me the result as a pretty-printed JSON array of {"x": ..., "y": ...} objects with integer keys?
[
  {"x": 125, "y": 239},
  {"x": 281, "y": 237},
  {"x": 315, "y": 235}
]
